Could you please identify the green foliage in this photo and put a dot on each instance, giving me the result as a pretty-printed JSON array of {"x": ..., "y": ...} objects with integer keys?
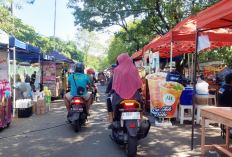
[
  {"x": 28, "y": 34},
  {"x": 89, "y": 44},
  {"x": 87, "y": 41},
  {"x": 150, "y": 18}
]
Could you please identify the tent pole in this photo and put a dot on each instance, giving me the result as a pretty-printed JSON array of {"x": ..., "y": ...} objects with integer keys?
[
  {"x": 8, "y": 62},
  {"x": 166, "y": 61},
  {"x": 14, "y": 83},
  {"x": 194, "y": 88},
  {"x": 171, "y": 58},
  {"x": 39, "y": 73},
  {"x": 42, "y": 72},
  {"x": 188, "y": 67},
  {"x": 192, "y": 70}
]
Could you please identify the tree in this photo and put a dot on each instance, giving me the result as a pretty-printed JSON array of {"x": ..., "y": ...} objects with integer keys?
[
  {"x": 88, "y": 43},
  {"x": 158, "y": 16}
]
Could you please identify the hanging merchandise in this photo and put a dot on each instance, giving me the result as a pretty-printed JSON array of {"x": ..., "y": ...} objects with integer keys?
[
  {"x": 156, "y": 61},
  {"x": 3, "y": 67},
  {"x": 150, "y": 62},
  {"x": 139, "y": 63},
  {"x": 145, "y": 58}
]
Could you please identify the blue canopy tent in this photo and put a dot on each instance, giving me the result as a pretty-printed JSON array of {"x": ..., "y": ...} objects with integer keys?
[
  {"x": 21, "y": 48},
  {"x": 33, "y": 57},
  {"x": 164, "y": 60},
  {"x": 60, "y": 57}
]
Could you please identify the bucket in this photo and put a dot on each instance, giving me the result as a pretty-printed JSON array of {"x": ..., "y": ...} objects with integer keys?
[
  {"x": 201, "y": 99},
  {"x": 186, "y": 97}
]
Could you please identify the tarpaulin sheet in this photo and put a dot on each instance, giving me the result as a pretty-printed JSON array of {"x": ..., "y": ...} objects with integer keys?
[
  {"x": 60, "y": 57},
  {"x": 217, "y": 16}
]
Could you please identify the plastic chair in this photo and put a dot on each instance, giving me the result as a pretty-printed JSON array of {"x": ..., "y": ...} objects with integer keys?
[
  {"x": 211, "y": 96},
  {"x": 183, "y": 117}
]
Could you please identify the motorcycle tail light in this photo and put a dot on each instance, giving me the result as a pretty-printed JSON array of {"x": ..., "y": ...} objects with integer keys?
[
  {"x": 77, "y": 101},
  {"x": 132, "y": 126},
  {"x": 129, "y": 103}
]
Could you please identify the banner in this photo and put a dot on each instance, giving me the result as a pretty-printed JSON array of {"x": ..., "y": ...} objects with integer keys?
[
  {"x": 156, "y": 61},
  {"x": 164, "y": 96},
  {"x": 3, "y": 67}
]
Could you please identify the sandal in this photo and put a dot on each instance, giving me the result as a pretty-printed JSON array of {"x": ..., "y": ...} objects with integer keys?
[{"x": 106, "y": 120}]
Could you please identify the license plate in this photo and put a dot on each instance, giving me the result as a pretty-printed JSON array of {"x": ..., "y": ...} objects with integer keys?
[
  {"x": 130, "y": 115},
  {"x": 77, "y": 109}
]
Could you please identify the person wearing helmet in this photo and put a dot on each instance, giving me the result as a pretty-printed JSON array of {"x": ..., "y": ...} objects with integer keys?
[
  {"x": 78, "y": 82},
  {"x": 91, "y": 75}
]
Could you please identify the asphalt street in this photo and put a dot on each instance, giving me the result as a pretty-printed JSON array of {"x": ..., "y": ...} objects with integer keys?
[{"x": 50, "y": 136}]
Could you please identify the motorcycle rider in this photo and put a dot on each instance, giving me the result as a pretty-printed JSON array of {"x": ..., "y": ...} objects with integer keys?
[
  {"x": 78, "y": 82},
  {"x": 91, "y": 75},
  {"x": 126, "y": 84}
]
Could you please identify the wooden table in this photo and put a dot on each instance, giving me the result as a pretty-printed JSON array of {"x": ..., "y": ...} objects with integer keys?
[{"x": 221, "y": 115}]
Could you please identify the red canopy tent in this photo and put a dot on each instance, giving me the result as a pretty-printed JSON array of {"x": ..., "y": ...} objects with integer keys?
[
  {"x": 183, "y": 38},
  {"x": 217, "y": 16},
  {"x": 138, "y": 55}
]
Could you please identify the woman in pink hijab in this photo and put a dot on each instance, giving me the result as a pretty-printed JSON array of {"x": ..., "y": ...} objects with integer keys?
[{"x": 126, "y": 84}]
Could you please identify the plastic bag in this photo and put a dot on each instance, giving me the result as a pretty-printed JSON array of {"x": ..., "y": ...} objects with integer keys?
[{"x": 202, "y": 87}]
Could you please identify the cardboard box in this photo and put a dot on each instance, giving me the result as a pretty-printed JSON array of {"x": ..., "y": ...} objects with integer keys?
[
  {"x": 41, "y": 111},
  {"x": 41, "y": 103},
  {"x": 34, "y": 107}
]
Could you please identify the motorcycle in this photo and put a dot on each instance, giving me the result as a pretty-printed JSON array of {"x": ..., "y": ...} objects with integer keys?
[
  {"x": 78, "y": 113},
  {"x": 127, "y": 128},
  {"x": 102, "y": 82},
  {"x": 92, "y": 94}
]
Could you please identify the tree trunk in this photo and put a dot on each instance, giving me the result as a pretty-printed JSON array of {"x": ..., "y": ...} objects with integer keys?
[{"x": 178, "y": 67}]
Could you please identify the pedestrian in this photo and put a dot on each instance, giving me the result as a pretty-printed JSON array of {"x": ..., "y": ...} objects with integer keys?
[
  {"x": 225, "y": 92},
  {"x": 33, "y": 77}
]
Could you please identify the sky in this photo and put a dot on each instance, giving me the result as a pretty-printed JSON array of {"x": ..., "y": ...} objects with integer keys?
[{"x": 40, "y": 15}]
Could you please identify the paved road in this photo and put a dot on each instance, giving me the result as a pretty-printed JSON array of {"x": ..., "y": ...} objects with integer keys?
[{"x": 49, "y": 135}]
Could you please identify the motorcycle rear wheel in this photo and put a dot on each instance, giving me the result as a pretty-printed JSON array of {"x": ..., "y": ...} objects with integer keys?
[
  {"x": 131, "y": 146},
  {"x": 77, "y": 125}
]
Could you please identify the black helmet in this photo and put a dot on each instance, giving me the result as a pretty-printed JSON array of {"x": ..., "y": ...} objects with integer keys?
[{"x": 79, "y": 67}]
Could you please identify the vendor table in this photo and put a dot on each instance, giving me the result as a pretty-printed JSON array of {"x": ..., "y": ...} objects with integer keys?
[{"x": 221, "y": 115}]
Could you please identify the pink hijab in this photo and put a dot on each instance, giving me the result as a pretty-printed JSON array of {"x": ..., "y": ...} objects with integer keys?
[{"x": 126, "y": 77}]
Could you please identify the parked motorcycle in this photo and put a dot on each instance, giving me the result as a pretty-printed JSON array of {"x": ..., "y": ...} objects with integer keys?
[
  {"x": 127, "y": 128},
  {"x": 78, "y": 113}
]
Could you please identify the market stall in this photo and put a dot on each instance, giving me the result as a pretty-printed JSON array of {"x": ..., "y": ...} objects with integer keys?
[
  {"x": 215, "y": 17},
  {"x": 62, "y": 67},
  {"x": 5, "y": 103},
  {"x": 18, "y": 48}
]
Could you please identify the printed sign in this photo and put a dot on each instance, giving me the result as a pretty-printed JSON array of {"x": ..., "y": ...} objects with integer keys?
[
  {"x": 3, "y": 67},
  {"x": 164, "y": 95},
  {"x": 49, "y": 77}
]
